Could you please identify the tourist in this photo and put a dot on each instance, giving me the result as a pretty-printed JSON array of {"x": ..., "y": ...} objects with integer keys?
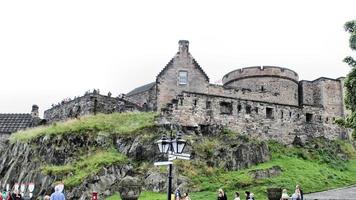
[
  {"x": 299, "y": 191},
  {"x": 15, "y": 195},
  {"x": 222, "y": 195},
  {"x": 46, "y": 197},
  {"x": 252, "y": 196},
  {"x": 57, "y": 195},
  {"x": 285, "y": 195},
  {"x": 177, "y": 194},
  {"x": 186, "y": 196},
  {"x": 237, "y": 196},
  {"x": 247, "y": 193}
]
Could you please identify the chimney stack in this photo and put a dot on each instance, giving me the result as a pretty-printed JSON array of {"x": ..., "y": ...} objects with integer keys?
[
  {"x": 34, "y": 111},
  {"x": 183, "y": 46}
]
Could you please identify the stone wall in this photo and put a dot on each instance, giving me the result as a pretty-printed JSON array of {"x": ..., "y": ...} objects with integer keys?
[
  {"x": 168, "y": 86},
  {"x": 258, "y": 119},
  {"x": 147, "y": 99},
  {"x": 272, "y": 84},
  {"x": 89, "y": 104}
]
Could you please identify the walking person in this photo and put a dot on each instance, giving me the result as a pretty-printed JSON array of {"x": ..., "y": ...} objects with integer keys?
[
  {"x": 186, "y": 196},
  {"x": 15, "y": 195},
  {"x": 285, "y": 195},
  {"x": 177, "y": 194},
  {"x": 299, "y": 191},
  {"x": 237, "y": 196},
  {"x": 222, "y": 195},
  {"x": 57, "y": 195}
]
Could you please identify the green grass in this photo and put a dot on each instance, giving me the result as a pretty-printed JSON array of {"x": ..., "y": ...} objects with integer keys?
[
  {"x": 116, "y": 123},
  {"x": 75, "y": 173},
  {"x": 315, "y": 169}
]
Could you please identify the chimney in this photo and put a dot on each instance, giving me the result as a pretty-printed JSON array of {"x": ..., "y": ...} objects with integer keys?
[
  {"x": 34, "y": 111},
  {"x": 183, "y": 46}
]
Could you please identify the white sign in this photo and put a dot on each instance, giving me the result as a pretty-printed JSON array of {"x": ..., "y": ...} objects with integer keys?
[{"x": 163, "y": 163}]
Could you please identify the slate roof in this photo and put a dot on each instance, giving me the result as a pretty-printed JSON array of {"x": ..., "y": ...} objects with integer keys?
[
  {"x": 141, "y": 89},
  {"x": 10, "y": 123}
]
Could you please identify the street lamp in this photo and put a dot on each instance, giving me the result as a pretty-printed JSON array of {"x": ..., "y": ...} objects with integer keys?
[{"x": 173, "y": 148}]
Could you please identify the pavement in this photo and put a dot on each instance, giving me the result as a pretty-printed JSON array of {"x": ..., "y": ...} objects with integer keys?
[{"x": 347, "y": 193}]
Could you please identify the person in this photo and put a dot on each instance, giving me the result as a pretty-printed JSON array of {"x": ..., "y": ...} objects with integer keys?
[
  {"x": 285, "y": 195},
  {"x": 186, "y": 196},
  {"x": 15, "y": 195},
  {"x": 57, "y": 195},
  {"x": 237, "y": 196},
  {"x": 222, "y": 195},
  {"x": 252, "y": 196},
  {"x": 46, "y": 197},
  {"x": 177, "y": 194},
  {"x": 247, "y": 193},
  {"x": 299, "y": 191}
]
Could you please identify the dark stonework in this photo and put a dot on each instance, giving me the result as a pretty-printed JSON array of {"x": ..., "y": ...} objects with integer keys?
[{"x": 90, "y": 103}]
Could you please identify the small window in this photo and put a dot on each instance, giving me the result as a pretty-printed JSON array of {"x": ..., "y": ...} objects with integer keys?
[
  {"x": 281, "y": 114},
  {"x": 195, "y": 102},
  {"x": 269, "y": 113},
  {"x": 308, "y": 117},
  {"x": 239, "y": 107},
  {"x": 262, "y": 88},
  {"x": 256, "y": 109},
  {"x": 183, "y": 77},
  {"x": 226, "y": 108},
  {"x": 320, "y": 118},
  {"x": 298, "y": 116},
  {"x": 248, "y": 109},
  {"x": 208, "y": 104},
  {"x": 290, "y": 114},
  {"x": 327, "y": 119}
]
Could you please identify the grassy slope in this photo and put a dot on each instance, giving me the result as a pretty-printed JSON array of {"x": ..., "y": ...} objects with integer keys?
[
  {"x": 91, "y": 162},
  {"x": 314, "y": 170},
  {"x": 85, "y": 166},
  {"x": 117, "y": 123}
]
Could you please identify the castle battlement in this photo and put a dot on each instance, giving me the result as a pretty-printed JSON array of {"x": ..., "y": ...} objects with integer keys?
[{"x": 260, "y": 71}]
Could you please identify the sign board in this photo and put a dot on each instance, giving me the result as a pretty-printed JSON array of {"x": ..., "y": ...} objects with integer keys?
[{"x": 163, "y": 163}]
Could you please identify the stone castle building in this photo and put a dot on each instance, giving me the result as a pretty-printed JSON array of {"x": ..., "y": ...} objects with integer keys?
[
  {"x": 266, "y": 102},
  {"x": 262, "y": 101}
]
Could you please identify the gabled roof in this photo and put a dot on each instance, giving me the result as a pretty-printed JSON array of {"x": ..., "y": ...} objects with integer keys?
[
  {"x": 141, "y": 89},
  {"x": 10, "y": 123},
  {"x": 195, "y": 63}
]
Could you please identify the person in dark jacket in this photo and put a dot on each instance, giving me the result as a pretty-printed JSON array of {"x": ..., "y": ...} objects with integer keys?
[
  {"x": 222, "y": 195},
  {"x": 15, "y": 195}
]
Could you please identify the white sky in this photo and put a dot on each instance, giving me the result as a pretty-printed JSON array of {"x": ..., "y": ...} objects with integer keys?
[{"x": 51, "y": 50}]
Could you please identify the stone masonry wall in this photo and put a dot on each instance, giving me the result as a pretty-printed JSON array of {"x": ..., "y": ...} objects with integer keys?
[
  {"x": 258, "y": 119},
  {"x": 147, "y": 99},
  {"x": 88, "y": 104},
  {"x": 168, "y": 86}
]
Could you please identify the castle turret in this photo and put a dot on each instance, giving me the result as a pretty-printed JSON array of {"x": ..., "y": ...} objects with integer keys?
[{"x": 34, "y": 111}]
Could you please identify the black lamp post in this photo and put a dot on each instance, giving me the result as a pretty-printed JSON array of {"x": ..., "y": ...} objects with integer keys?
[{"x": 173, "y": 147}]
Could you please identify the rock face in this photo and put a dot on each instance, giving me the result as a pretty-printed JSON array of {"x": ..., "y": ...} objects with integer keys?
[{"x": 23, "y": 162}]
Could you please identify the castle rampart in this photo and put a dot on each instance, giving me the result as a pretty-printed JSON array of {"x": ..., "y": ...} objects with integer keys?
[
  {"x": 90, "y": 103},
  {"x": 259, "y": 119}
]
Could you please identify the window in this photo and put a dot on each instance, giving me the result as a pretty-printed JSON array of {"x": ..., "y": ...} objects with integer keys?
[
  {"x": 239, "y": 107},
  {"x": 208, "y": 104},
  {"x": 256, "y": 109},
  {"x": 183, "y": 77},
  {"x": 248, "y": 109},
  {"x": 281, "y": 114},
  {"x": 269, "y": 113},
  {"x": 226, "y": 108},
  {"x": 290, "y": 114},
  {"x": 195, "y": 101},
  {"x": 308, "y": 117}
]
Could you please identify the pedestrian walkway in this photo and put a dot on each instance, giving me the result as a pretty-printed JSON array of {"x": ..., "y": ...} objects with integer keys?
[{"x": 336, "y": 194}]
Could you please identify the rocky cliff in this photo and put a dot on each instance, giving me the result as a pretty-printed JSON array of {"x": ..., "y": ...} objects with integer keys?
[{"x": 94, "y": 153}]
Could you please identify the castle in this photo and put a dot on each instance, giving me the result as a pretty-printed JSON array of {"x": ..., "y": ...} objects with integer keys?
[{"x": 266, "y": 102}]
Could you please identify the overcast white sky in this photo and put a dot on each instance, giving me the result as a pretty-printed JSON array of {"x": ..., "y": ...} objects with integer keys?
[{"x": 51, "y": 50}]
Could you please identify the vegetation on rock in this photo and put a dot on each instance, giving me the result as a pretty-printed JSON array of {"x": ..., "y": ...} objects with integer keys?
[{"x": 75, "y": 173}]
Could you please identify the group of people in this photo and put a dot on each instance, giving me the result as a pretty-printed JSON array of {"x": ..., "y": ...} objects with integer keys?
[
  {"x": 223, "y": 196},
  {"x": 16, "y": 195},
  {"x": 297, "y": 195},
  {"x": 179, "y": 196}
]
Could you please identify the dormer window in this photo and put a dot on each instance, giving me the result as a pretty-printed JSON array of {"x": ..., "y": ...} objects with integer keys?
[{"x": 183, "y": 77}]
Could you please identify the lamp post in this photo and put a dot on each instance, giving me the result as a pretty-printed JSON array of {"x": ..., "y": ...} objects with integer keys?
[{"x": 173, "y": 148}]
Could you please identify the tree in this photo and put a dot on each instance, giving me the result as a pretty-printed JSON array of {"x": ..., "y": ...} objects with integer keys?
[{"x": 350, "y": 81}]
